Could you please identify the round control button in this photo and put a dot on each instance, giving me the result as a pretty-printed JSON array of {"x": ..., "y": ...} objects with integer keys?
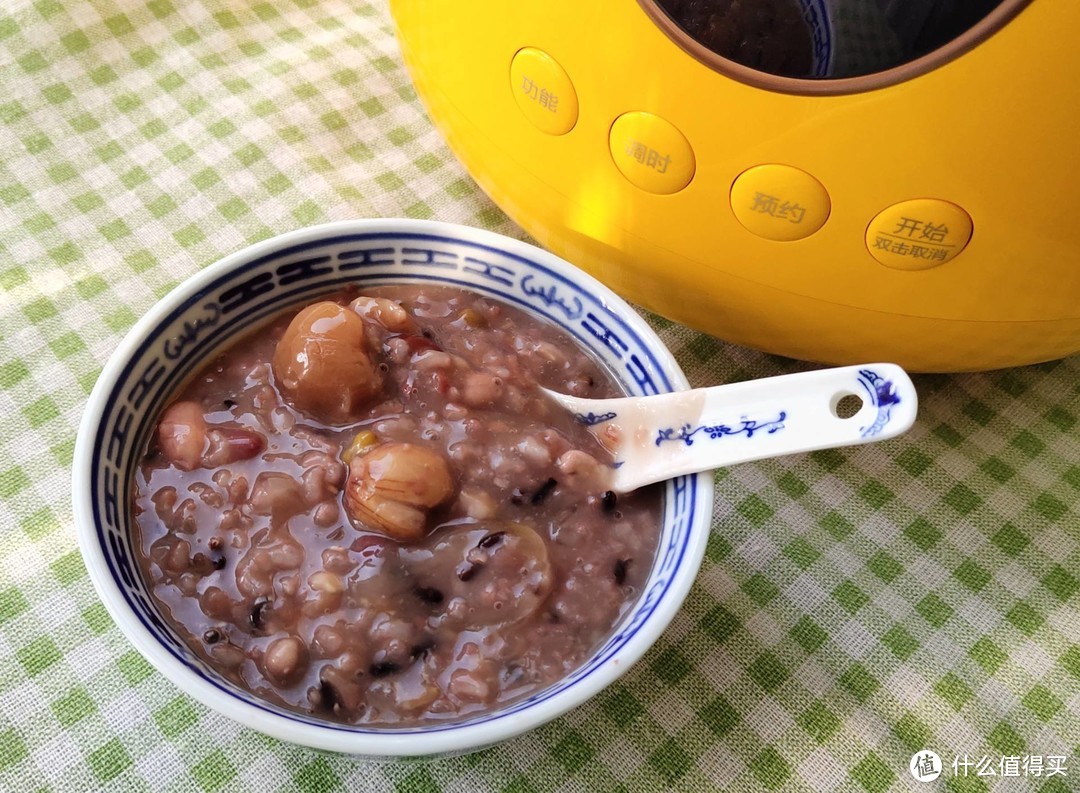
[
  {"x": 543, "y": 91},
  {"x": 779, "y": 202},
  {"x": 651, "y": 153},
  {"x": 918, "y": 234}
]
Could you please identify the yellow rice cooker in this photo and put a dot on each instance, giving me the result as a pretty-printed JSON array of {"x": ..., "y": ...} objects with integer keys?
[{"x": 835, "y": 180}]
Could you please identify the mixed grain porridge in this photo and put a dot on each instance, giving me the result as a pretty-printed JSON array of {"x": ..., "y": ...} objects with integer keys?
[{"x": 367, "y": 510}]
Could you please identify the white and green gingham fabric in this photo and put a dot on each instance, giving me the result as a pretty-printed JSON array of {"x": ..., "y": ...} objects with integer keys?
[{"x": 856, "y": 607}]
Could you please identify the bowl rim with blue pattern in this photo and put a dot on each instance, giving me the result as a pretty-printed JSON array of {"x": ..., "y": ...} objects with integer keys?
[{"x": 228, "y": 299}]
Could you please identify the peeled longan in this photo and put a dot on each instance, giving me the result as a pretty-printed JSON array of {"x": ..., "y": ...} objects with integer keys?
[
  {"x": 391, "y": 488},
  {"x": 323, "y": 364}
]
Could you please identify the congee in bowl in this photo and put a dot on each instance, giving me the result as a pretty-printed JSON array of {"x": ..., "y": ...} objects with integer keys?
[
  {"x": 368, "y": 511},
  {"x": 318, "y": 488}
]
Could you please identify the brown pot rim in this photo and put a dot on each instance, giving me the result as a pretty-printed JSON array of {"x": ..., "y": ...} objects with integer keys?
[{"x": 952, "y": 49}]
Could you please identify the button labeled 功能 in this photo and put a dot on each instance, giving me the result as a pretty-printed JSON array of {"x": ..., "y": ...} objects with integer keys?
[{"x": 543, "y": 91}]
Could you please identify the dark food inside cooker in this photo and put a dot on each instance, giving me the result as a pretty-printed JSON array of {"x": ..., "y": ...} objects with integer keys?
[
  {"x": 867, "y": 36},
  {"x": 767, "y": 35},
  {"x": 367, "y": 511}
]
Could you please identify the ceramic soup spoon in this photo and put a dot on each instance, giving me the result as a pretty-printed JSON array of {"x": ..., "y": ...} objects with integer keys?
[{"x": 659, "y": 437}]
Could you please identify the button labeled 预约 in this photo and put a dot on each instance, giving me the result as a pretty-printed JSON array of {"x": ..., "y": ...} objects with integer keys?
[
  {"x": 779, "y": 202},
  {"x": 651, "y": 153},
  {"x": 543, "y": 91}
]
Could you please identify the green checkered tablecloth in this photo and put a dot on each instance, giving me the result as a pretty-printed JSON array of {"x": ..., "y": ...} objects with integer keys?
[{"x": 855, "y": 606}]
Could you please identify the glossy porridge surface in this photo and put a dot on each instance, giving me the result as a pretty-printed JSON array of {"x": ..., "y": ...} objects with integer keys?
[{"x": 365, "y": 510}]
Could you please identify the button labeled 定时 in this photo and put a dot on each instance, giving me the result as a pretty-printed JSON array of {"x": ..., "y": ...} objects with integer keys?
[
  {"x": 779, "y": 202},
  {"x": 918, "y": 234},
  {"x": 543, "y": 91},
  {"x": 651, "y": 153}
]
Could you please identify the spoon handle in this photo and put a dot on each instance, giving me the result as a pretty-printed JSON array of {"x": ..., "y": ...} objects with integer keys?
[{"x": 686, "y": 432}]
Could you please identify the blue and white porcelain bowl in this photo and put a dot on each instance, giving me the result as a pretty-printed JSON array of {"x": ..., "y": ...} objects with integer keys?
[{"x": 226, "y": 300}]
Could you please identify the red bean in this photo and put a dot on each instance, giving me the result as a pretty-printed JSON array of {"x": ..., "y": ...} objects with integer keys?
[
  {"x": 228, "y": 445},
  {"x": 285, "y": 661}
]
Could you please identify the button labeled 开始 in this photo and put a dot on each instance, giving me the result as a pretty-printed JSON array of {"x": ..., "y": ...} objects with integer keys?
[{"x": 918, "y": 234}]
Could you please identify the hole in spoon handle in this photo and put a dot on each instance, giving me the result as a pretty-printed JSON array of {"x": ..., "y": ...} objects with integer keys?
[{"x": 845, "y": 404}]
